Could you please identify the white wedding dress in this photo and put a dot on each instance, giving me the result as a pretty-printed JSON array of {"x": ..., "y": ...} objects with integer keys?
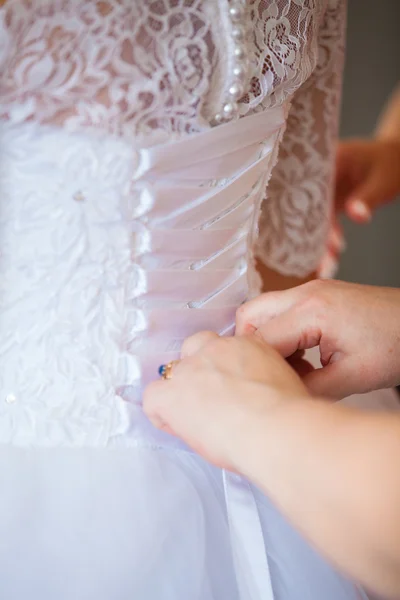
[{"x": 124, "y": 227}]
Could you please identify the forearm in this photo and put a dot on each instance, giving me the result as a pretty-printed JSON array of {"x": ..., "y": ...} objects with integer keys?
[
  {"x": 335, "y": 473},
  {"x": 389, "y": 123}
]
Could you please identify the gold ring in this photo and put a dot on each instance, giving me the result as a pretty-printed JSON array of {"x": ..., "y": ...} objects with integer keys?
[{"x": 166, "y": 370}]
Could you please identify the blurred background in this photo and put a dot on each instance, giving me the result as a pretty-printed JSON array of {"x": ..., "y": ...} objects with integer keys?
[{"x": 372, "y": 72}]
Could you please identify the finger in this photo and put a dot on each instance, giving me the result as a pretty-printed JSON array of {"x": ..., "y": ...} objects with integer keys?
[
  {"x": 301, "y": 366},
  {"x": 292, "y": 331},
  {"x": 367, "y": 197},
  {"x": 344, "y": 165},
  {"x": 336, "y": 241},
  {"x": 336, "y": 245},
  {"x": 358, "y": 211},
  {"x": 171, "y": 407},
  {"x": 297, "y": 355},
  {"x": 338, "y": 380},
  {"x": 155, "y": 398},
  {"x": 344, "y": 156},
  {"x": 256, "y": 313},
  {"x": 162, "y": 404},
  {"x": 197, "y": 342},
  {"x": 328, "y": 266}
]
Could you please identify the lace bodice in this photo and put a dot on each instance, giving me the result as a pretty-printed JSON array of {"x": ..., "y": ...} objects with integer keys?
[{"x": 155, "y": 70}]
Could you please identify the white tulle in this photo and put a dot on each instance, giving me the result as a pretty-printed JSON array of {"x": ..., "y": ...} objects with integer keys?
[{"x": 117, "y": 525}]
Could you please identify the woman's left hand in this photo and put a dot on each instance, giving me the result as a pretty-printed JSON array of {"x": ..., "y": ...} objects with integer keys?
[
  {"x": 218, "y": 392},
  {"x": 367, "y": 176}
]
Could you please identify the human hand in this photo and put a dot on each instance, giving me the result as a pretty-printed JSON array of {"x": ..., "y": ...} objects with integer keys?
[
  {"x": 367, "y": 176},
  {"x": 219, "y": 392},
  {"x": 335, "y": 247},
  {"x": 357, "y": 329}
]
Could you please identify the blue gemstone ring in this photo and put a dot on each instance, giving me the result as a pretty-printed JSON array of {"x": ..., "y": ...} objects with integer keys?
[{"x": 165, "y": 371}]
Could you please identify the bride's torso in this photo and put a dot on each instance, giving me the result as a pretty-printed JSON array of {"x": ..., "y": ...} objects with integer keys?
[{"x": 124, "y": 214}]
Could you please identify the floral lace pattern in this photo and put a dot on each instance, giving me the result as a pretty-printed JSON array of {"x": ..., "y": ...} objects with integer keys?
[
  {"x": 125, "y": 67},
  {"x": 155, "y": 69},
  {"x": 296, "y": 214}
]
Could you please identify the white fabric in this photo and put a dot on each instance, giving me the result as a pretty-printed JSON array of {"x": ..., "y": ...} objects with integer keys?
[
  {"x": 88, "y": 314},
  {"x": 111, "y": 256},
  {"x": 247, "y": 540},
  {"x": 124, "y": 221},
  {"x": 145, "y": 69},
  {"x": 136, "y": 523}
]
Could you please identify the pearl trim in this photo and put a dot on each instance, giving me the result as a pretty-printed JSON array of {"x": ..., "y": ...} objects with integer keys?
[{"x": 238, "y": 78}]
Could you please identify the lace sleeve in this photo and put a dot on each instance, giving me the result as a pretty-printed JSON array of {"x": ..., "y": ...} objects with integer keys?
[{"x": 295, "y": 215}]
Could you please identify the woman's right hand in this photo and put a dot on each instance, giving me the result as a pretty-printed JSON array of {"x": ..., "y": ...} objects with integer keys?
[
  {"x": 357, "y": 330},
  {"x": 220, "y": 393}
]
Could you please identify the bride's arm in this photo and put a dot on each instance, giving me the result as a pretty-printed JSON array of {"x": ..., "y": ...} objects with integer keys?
[{"x": 296, "y": 214}]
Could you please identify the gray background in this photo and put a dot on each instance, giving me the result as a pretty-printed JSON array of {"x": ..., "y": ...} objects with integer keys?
[{"x": 372, "y": 71}]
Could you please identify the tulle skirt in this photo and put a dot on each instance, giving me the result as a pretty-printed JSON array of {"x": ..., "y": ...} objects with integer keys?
[{"x": 138, "y": 524}]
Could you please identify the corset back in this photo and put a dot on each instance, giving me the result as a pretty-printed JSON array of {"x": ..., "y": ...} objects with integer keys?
[{"x": 111, "y": 256}]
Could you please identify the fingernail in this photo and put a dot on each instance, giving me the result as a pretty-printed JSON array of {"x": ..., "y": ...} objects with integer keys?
[
  {"x": 359, "y": 210},
  {"x": 328, "y": 267}
]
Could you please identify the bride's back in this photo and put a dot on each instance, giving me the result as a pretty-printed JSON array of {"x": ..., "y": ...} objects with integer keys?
[
  {"x": 137, "y": 68},
  {"x": 125, "y": 210},
  {"x": 128, "y": 216}
]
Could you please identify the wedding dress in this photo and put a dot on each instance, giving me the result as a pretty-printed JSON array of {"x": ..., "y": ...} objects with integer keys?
[{"x": 127, "y": 222}]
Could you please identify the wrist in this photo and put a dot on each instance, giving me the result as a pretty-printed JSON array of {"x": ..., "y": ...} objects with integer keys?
[
  {"x": 251, "y": 423},
  {"x": 288, "y": 441}
]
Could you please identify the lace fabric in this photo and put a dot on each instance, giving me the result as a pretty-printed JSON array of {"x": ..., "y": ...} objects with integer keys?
[
  {"x": 155, "y": 70},
  {"x": 296, "y": 215}
]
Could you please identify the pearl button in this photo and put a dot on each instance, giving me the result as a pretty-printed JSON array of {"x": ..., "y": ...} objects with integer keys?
[
  {"x": 238, "y": 33},
  {"x": 239, "y": 71},
  {"x": 230, "y": 108},
  {"x": 218, "y": 118},
  {"x": 239, "y": 52},
  {"x": 236, "y": 91},
  {"x": 235, "y": 13},
  {"x": 237, "y": 80},
  {"x": 11, "y": 398}
]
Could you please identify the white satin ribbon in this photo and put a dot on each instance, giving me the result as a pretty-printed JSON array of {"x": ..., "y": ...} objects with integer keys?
[
  {"x": 212, "y": 153},
  {"x": 248, "y": 548}
]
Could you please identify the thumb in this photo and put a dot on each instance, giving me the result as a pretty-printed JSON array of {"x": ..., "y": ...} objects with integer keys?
[
  {"x": 251, "y": 316},
  {"x": 366, "y": 198},
  {"x": 337, "y": 380}
]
